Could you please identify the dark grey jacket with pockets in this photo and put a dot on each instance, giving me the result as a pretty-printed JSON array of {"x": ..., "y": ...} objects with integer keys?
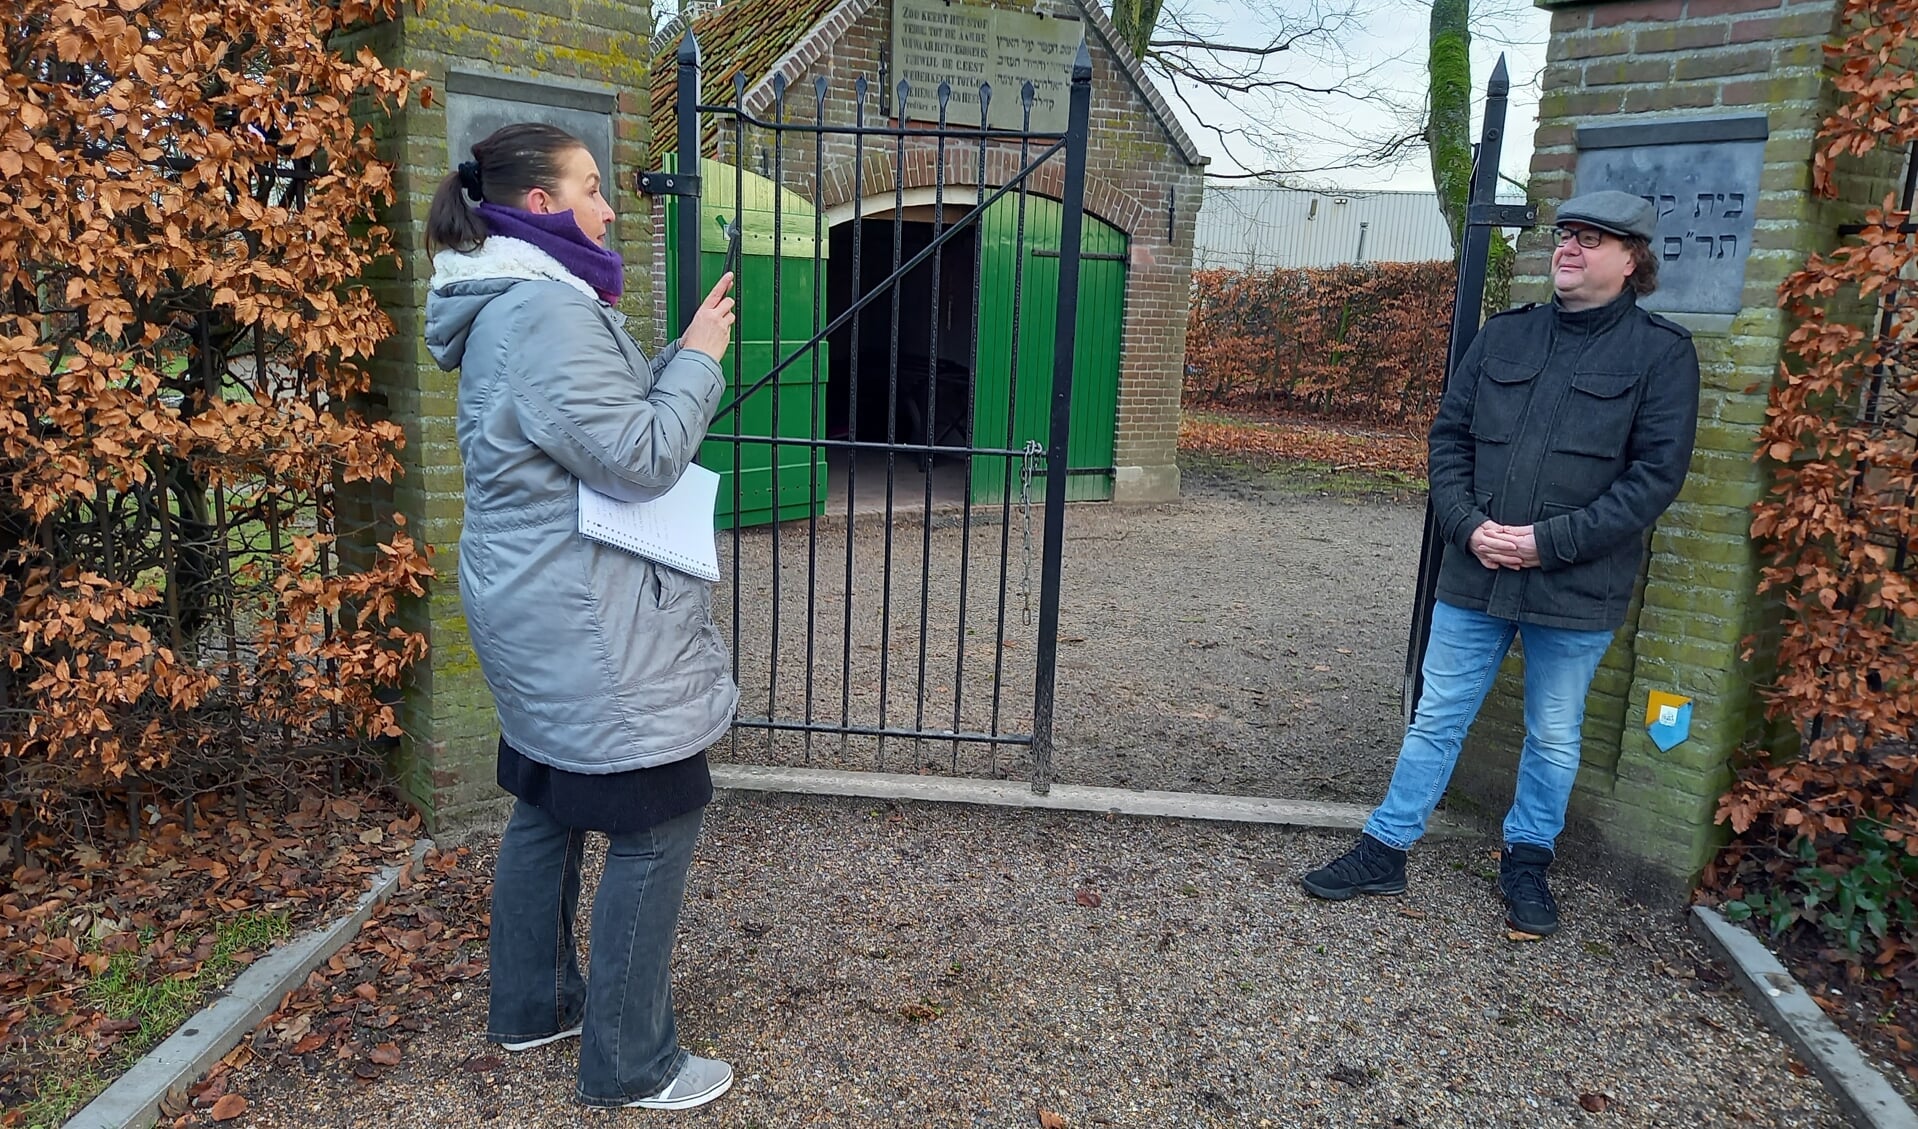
[{"x": 1580, "y": 424}]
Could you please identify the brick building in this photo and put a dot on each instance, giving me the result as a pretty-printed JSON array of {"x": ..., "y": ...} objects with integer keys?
[{"x": 1145, "y": 179}]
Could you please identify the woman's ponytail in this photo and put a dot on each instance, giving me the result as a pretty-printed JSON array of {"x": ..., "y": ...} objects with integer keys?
[
  {"x": 505, "y": 166},
  {"x": 451, "y": 222}
]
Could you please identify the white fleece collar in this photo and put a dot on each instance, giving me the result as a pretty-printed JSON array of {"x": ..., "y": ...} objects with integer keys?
[{"x": 500, "y": 256}]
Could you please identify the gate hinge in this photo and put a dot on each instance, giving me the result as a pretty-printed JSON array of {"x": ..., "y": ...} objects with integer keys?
[
  {"x": 1502, "y": 215},
  {"x": 668, "y": 184}
]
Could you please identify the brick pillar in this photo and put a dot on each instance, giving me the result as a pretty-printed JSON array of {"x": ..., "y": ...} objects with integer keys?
[
  {"x": 1648, "y": 61},
  {"x": 567, "y": 61}
]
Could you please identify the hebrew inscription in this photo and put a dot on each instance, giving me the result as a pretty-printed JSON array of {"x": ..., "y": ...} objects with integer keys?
[{"x": 1705, "y": 192}]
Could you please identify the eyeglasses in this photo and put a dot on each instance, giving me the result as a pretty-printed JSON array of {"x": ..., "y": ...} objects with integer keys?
[{"x": 1586, "y": 236}]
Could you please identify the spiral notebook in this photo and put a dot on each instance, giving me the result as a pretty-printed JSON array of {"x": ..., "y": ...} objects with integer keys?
[{"x": 674, "y": 529}]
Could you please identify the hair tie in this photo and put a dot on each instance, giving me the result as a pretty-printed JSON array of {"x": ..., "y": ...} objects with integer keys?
[{"x": 470, "y": 180}]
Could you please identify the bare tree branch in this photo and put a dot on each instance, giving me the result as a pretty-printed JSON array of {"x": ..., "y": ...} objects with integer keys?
[{"x": 1286, "y": 72}]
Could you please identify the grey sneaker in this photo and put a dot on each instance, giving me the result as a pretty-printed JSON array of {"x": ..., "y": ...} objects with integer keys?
[
  {"x": 529, "y": 1044},
  {"x": 699, "y": 1081}
]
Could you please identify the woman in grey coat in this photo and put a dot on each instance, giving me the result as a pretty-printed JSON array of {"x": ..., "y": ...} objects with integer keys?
[{"x": 608, "y": 674}]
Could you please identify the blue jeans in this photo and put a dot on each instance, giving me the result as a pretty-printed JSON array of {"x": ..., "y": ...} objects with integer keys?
[
  {"x": 1460, "y": 662},
  {"x": 630, "y": 1046}
]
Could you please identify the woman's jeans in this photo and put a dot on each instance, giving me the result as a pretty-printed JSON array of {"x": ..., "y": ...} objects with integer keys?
[
  {"x": 1460, "y": 662},
  {"x": 630, "y": 1047}
]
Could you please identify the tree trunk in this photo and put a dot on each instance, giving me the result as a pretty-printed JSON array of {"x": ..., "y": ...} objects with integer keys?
[
  {"x": 1448, "y": 123},
  {"x": 1135, "y": 20}
]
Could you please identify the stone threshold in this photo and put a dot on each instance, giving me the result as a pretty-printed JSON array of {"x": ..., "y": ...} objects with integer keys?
[{"x": 1303, "y": 814}]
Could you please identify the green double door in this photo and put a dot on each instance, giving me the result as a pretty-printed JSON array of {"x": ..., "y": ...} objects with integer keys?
[
  {"x": 1019, "y": 295},
  {"x": 793, "y": 404}
]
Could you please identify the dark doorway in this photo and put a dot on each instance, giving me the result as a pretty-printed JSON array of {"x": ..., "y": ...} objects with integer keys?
[{"x": 926, "y": 400}]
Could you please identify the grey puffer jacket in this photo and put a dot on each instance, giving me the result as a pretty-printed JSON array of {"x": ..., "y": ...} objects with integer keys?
[{"x": 599, "y": 660}]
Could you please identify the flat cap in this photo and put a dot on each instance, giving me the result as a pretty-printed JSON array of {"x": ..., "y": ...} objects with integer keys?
[{"x": 1620, "y": 213}]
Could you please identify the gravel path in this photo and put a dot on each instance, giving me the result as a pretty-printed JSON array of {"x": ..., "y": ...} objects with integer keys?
[
  {"x": 929, "y": 966},
  {"x": 1247, "y": 639}
]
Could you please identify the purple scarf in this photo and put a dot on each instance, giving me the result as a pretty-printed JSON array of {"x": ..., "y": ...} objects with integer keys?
[{"x": 558, "y": 234}]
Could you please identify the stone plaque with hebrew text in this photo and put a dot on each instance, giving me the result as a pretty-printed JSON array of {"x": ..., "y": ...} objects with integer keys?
[{"x": 1702, "y": 174}]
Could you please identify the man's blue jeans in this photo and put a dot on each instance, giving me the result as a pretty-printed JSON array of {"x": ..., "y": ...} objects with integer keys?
[
  {"x": 630, "y": 1046},
  {"x": 1460, "y": 662}
]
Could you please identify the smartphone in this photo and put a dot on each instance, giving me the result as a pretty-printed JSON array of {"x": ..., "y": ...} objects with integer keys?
[{"x": 732, "y": 252}]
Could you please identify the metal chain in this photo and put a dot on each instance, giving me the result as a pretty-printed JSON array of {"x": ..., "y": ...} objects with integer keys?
[{"x": 1025, "y": 510}]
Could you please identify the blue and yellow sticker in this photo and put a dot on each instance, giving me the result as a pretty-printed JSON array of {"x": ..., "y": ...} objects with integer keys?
[{"x": 1668, "y": 718}]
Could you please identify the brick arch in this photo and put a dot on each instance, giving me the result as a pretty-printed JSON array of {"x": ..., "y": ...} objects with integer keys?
[{"x": 1104, "y": 199}]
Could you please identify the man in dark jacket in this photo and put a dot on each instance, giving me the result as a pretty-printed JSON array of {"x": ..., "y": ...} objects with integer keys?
[{"x": 1563, "y": 436}]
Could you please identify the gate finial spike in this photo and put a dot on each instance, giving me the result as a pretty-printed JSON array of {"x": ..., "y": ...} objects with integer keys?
[
  {"x": 688, "y": 53},
  {"x": 1501, "y": 84},
  {"x": 1082, "y": 63}
]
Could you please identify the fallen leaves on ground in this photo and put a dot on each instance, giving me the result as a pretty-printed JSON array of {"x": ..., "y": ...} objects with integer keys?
[
  {"x": 1342, "y": 448},
  {"x": 228, "y": 1108},
  {"x": 361, "y": 1006},
  {"x": 146, "y": 909}
]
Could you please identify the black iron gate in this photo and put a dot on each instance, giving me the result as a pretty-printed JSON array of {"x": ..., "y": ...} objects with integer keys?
[
  {"x": 1483, "y": 214},
  {"x": 842, "y": 660}
]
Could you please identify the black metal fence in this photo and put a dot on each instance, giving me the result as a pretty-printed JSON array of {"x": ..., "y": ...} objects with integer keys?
[
  {"x": 902, "y": 614},
  {"x": 211, "y": 538}
]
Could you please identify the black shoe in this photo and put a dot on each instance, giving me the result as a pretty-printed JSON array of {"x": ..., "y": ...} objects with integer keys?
[
  {"x": 1369, "y": 868},
  {"x": 1529, "y": 907}
]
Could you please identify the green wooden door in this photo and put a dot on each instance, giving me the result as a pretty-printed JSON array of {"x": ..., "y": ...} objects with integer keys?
[
  {"x": 792, "y": 406},
  {"x": 1021, "y": 387}
]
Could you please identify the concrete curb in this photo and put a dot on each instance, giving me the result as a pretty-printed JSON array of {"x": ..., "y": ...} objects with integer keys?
[
  {"x": 1062, "y": 797},
  {"x": 133, "y": 1101},
  {"x": 1866, "y": 1098}
]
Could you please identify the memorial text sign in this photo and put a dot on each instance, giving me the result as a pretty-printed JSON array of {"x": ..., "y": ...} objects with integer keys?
[
  {"x": 936, "y": 41},
  {"x": 1702, "y": 175}
]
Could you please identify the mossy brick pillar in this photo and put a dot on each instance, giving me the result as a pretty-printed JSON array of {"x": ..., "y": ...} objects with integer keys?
[
  {"x": 1693, "y": 69},
  {"x": 579, "y": 63}
]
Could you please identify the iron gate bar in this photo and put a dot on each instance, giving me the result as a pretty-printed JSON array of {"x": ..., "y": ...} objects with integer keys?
[
  {"x": 961, "y": 736},
  {"x": 687, "y": 226},
  {"x": 1065, "y": 338},
  {"x": 872, "y": 445},
  {"x": 819, "y": 238},
  {"x": 1468, "y": 301},
  {"x": 1012, "y": 413},
  {"x": 944, "y": 96},
  {"x": 892, "y": 422},
  {"x": 779, "y": 234},
  {"x": 738, "y": 333},
  {"x": 972, "y": 423}
]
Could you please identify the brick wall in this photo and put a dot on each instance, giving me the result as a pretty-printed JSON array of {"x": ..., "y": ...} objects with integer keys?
[
  {"x": 1137, "y": 181},
  {"x": 445, "y": 761},
  {"x": 1646, "y": 60}
]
